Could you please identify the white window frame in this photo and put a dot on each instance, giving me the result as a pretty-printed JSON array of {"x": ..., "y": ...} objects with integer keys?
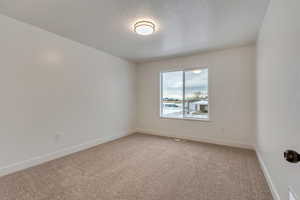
[{"x": 208, "y": 119}]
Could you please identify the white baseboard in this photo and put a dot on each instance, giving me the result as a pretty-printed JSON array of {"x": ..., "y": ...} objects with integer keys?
[
  {"x": 54, "y": 155},
  {"x": 66, "y": 151},
  {"x": 266, "y": 172},
  {"x": 198, "y": 139}
]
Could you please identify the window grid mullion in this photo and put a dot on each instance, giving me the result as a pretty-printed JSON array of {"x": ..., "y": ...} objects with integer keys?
[
  {"x": 183, "y": 99},
  {"x": 161, "y": 95}
]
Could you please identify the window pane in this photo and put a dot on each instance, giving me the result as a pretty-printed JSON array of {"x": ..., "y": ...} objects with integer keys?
[
  {"x": 172, "y": 94},
  {"x": 196, "y": 94}
]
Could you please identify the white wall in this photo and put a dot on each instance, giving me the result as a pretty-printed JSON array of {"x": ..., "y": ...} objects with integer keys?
[
  {"x": 232, "y": 101},
  {"x": 278, "y": 96},
  {"x": 50, "y": 84}
]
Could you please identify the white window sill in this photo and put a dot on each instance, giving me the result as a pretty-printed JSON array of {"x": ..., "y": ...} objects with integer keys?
[{"x": 186, "y": 118}]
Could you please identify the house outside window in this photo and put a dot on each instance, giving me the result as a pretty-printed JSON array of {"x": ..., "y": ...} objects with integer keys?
[{"x": 185, "y": 94}]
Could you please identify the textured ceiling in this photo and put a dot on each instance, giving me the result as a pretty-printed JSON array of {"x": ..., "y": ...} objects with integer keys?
[{"x": 185, "y": 26}]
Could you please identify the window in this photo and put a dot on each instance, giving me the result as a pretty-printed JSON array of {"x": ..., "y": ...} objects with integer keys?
[{"x": 184, "y": 94}]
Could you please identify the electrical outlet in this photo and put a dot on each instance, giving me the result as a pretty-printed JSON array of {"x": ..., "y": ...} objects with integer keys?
[
  {"x": 222, "y": 130},
  {"x": 58, "y": 136}
]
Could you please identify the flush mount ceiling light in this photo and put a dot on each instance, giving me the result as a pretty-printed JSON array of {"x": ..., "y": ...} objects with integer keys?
[{"x": 144, "y": 27}]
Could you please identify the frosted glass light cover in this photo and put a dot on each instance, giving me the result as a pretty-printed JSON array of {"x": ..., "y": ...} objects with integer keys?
[{"x": 144, "y": 28}]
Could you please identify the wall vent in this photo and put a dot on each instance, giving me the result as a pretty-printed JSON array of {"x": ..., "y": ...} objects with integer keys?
[{"x": 178, "y": 140}]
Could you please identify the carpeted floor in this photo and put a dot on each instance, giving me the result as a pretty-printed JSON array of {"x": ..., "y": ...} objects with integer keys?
[{"x": 143, "y": 167}]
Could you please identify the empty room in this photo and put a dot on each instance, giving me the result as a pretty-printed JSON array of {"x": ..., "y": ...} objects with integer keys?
[{"x": 150, "y": 100}]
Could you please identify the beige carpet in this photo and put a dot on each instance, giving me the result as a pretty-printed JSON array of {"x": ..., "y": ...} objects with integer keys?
[{"x": 143, "y": 167}]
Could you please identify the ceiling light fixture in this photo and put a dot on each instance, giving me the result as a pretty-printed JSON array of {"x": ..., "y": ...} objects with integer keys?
[{"x": 144, "y": 27}]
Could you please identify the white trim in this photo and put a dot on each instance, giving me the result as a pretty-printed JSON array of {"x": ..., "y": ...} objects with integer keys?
[
  {"x": 57, "y": 154},
  {"x": 266, "y": 172},
  {"x": 197, "y": 139},
  {"x": 293, "y": 193},
  {"x": 188, "y": 118}
]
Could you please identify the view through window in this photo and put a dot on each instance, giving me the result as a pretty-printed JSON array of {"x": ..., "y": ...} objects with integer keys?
[{"x": 184, "y": 94}]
